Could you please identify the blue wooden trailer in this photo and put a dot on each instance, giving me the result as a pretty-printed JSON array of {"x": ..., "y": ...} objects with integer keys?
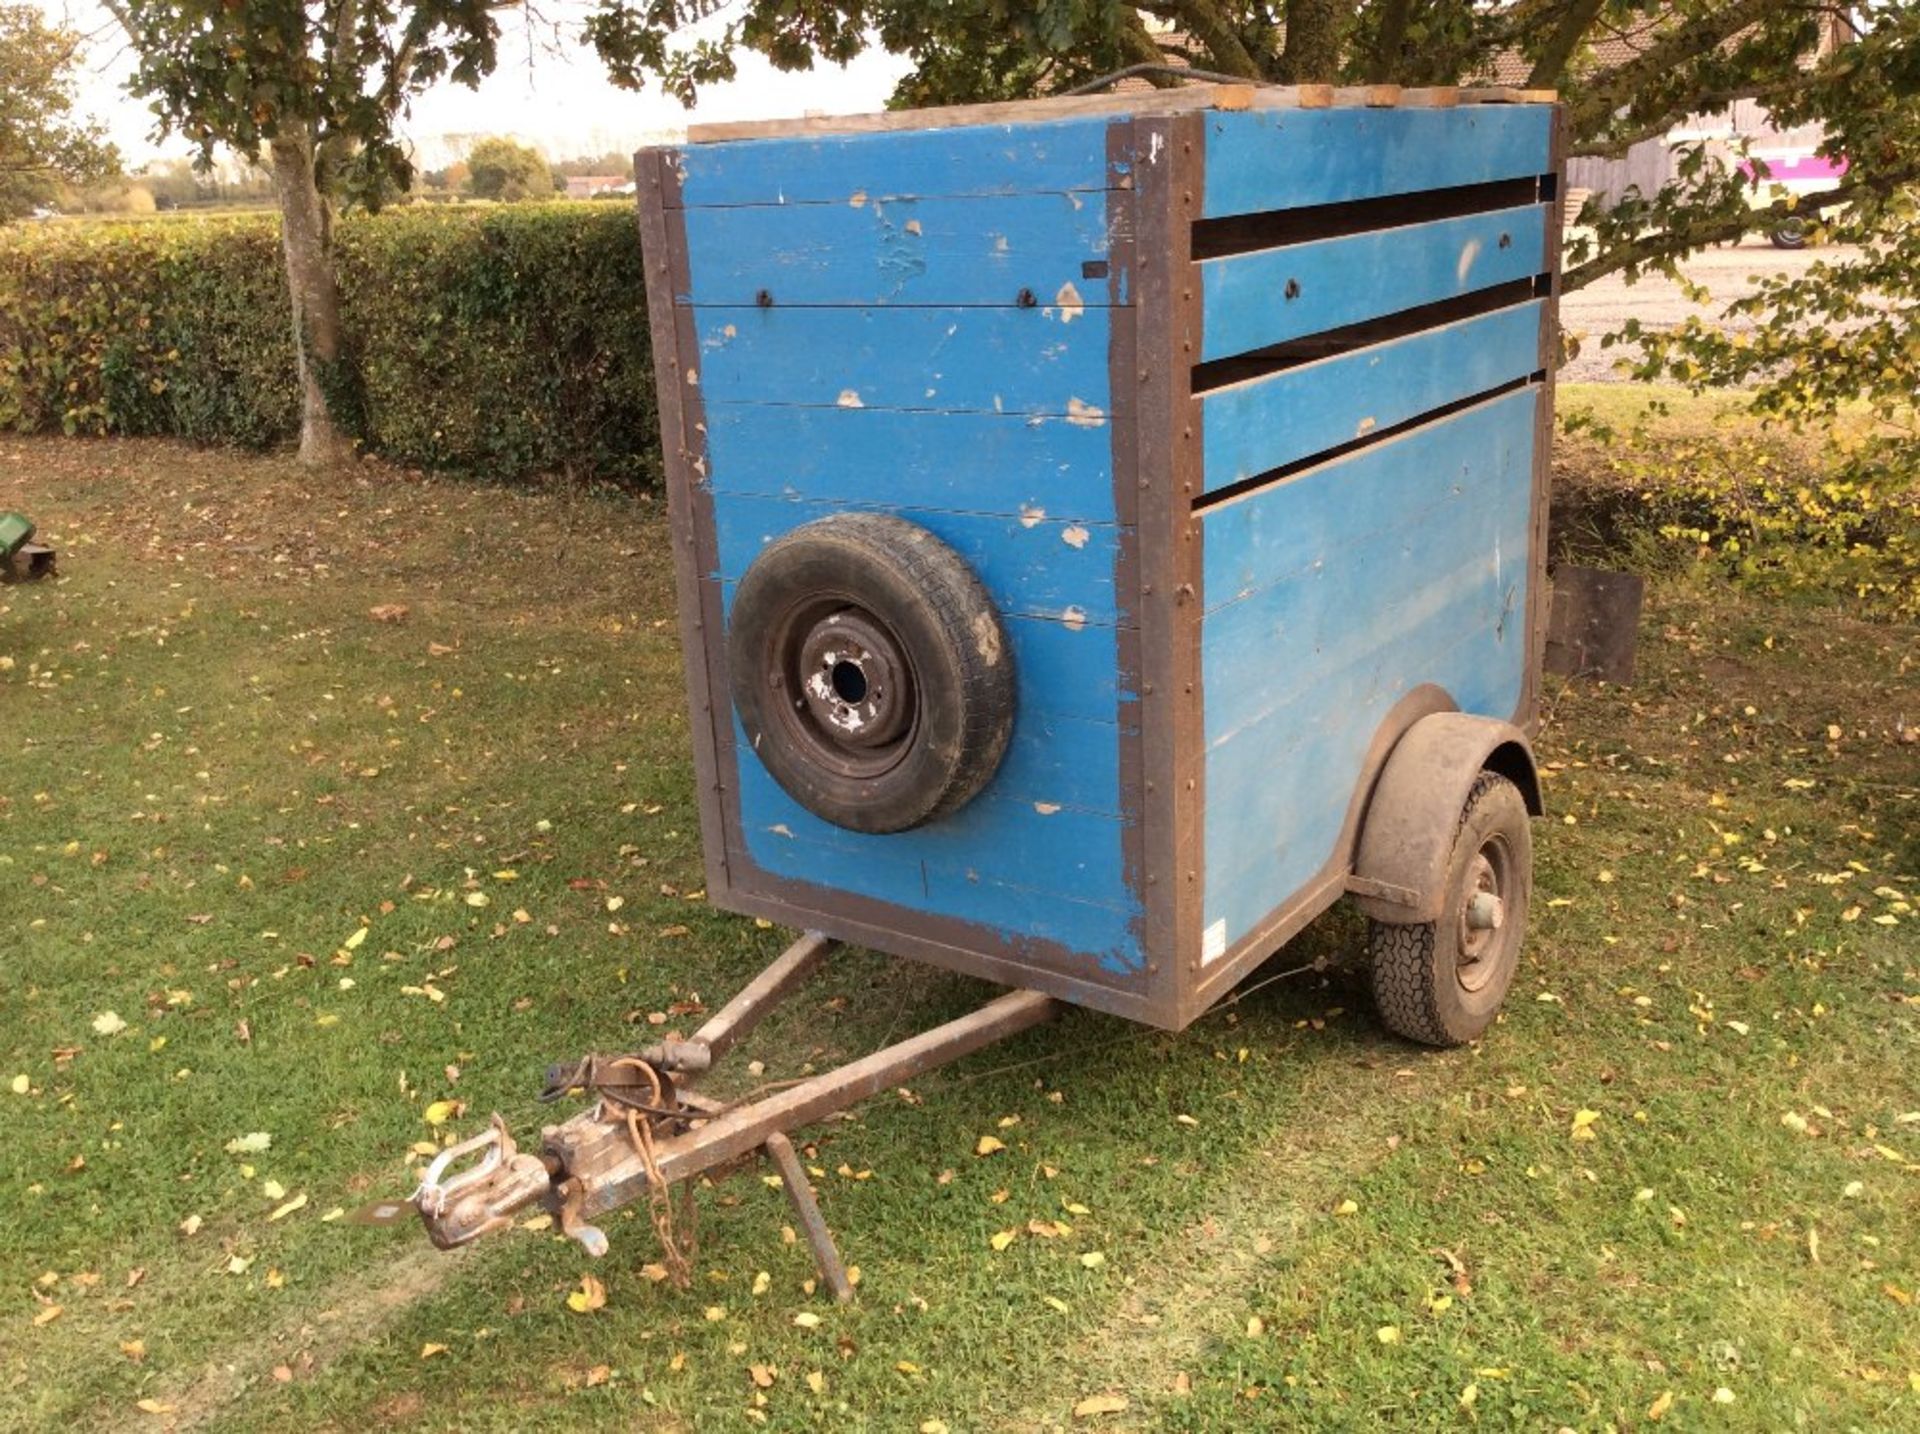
[
  {"x": 1109, "y": 531},
  {"x": 1235, "y": 403}
]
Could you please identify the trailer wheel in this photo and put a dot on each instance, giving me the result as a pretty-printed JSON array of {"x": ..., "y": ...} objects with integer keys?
[
  {"x": 870, "y": 672},
  {"x": 1441, "y": 982}
]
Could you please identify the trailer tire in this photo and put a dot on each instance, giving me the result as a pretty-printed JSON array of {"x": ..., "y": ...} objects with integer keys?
[
  {"x": 870, "y": 672},
  {"x": 1441, "y": 982}
]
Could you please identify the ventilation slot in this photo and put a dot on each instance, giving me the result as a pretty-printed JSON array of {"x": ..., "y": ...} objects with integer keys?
[
  {"x": 1275, "y": 475},
  {"x": 1261, "y": 362},
  {"x": 1245, "y": 233}
]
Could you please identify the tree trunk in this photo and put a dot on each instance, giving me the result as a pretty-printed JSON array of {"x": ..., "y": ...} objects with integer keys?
[
  {"x": 306, "y": 242},
  {"x": 1316, "y": 31}
]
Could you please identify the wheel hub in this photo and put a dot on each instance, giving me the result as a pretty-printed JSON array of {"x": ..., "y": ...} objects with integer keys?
[
  {"x": 853, "y": 680},
  {"x": 1482, "y": 915}
]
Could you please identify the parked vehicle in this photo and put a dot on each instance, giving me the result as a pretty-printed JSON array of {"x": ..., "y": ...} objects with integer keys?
[
  {"x": 1798, "y": 171},
  {"x": 1109, "y": 530}
]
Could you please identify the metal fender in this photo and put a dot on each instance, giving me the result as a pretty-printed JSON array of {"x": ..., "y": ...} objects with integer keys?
[{"x": 1406, "y": 836}]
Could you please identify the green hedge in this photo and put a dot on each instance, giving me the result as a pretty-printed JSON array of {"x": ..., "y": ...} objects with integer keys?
[{"x": 506, "y": 342}]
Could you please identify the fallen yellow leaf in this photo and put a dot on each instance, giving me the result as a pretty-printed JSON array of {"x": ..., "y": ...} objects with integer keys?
[
  {"x": 439, "y": 1112},
  {"x": 152, "y": 1406},
  {"x": 807, "y": 1319},
  {"x": 1388, "y": 1334},
  {"x": 1097, "y": 1404},
  {"x": 589, "y": 1297},
  {"x": 298, "y": 1202},
  {"x": 1658, "y": 1409},
  {"x": 428, "y": 1351},
  {"x": 989, "y": 1145}
]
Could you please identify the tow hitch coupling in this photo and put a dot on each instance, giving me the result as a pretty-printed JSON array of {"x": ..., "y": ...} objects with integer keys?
[{"x": 483, "y": 1196}]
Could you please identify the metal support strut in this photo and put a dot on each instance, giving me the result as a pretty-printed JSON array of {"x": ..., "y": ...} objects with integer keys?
[{"x": 800, "y": 1195}]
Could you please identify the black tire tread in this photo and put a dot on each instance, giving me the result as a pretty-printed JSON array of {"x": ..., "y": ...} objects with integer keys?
[
  {"x": 1400, "y": 958},
  {"x": 942, "y": 580}
]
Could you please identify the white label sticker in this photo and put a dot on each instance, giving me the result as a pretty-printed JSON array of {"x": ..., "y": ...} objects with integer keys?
[{"x": 1213, "y": 941}]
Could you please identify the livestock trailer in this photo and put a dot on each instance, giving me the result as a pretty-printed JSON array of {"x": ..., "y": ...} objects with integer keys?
[{"x": 1108, "y": 531}]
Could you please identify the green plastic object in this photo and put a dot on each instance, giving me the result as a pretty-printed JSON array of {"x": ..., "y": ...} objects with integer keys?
[{"x": 15, "y": 532}]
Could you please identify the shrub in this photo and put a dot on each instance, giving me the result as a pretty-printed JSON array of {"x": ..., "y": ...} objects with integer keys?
[
  {"x": 506, "y": 342},
  {"x": 1755, "y": 508}
]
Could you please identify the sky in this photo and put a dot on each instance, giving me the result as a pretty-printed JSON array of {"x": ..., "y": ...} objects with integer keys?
[{"x": 559, "y": 102}]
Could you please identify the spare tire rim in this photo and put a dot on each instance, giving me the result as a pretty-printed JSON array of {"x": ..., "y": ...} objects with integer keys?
[
  {"x": 1482, "y": 916},
  {"x": 847, "y": 685}
]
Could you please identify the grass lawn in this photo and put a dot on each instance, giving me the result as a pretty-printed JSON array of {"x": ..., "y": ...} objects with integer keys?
[{"x": 281, "y": 867}]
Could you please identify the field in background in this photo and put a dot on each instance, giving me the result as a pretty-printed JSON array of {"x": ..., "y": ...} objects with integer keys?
[{"x": 327, "y": 800}]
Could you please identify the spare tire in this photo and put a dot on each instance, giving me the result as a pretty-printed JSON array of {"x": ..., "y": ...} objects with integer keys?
[{"x": 870, "y": 672}]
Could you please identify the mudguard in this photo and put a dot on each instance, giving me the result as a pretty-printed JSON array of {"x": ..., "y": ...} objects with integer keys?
[{"x": 1406, "y": 836}]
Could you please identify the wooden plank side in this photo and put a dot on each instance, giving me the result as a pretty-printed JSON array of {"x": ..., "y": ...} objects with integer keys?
[
  {"x": 1265, "y": 423},
  {"x": 980, "y": 250},
  {"x": 1272, "y": 295},
  {"x": 1253, "y": 543},
  {"x": 1068, "y": 761},
  {"x": 1026, "y": 361},
  {"x": 964, "y": 865},
  {"x": 1300, "y": 671},
  {"x": 1009, "y": 922},
  {"x": 1037, "y": 846},
  {"x": 1032, "y": 566},
  {"x": 1283, "y": 158},
  {"x": 957, "y": 462},
  {"x": 1024, "y": 158}
]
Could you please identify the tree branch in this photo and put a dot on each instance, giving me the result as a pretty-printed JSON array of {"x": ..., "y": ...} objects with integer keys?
[
  {"x": 1614, "y": 90},
  {"x": 1383, "y": 63},
  {"x": 1552, "y": 60},
  {"x": 1674, "y": 242},
  {"x": 1203, "y": 20},
  {"x": 1616, "y": 144}
]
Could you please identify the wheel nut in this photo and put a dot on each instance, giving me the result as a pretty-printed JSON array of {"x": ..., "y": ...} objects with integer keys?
[{"x": 1485, "y": 911}]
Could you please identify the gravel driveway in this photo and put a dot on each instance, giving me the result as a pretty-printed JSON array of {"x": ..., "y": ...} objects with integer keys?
[{"x": 1603, "y": 306}]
